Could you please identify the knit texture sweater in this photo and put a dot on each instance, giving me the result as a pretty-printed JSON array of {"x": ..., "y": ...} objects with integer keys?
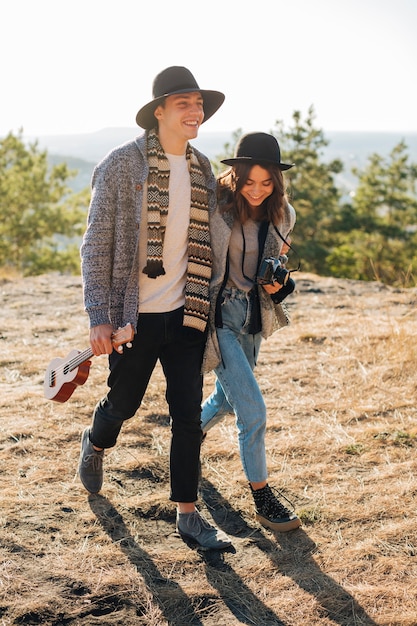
[{"x": 110, "y": 247}]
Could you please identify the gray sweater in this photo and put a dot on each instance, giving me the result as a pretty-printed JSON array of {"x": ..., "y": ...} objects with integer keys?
[{"x": 109, "y": 251}]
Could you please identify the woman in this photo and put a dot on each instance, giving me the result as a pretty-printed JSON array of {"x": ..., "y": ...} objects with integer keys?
[{"x": 252, "y": 223}]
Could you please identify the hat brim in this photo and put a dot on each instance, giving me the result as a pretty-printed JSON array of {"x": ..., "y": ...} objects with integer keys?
[
  {"x": 282, "y": 166},
  {"x": 212, "y": 100}
]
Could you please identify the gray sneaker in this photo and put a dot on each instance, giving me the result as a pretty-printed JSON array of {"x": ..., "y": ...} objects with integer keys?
[
  {"x": 90, "y": 467},
  {"x": 193, "y": 526}
]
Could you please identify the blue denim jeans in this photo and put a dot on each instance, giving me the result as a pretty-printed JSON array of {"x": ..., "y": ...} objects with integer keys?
[{"x": 236, "y": 389}]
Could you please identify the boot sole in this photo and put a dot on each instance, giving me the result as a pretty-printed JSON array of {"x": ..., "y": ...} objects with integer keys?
[{"x": 282, "y": 527}]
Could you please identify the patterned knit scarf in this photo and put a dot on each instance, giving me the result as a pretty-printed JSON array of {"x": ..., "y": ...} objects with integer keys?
[{"x": 197, "y": 302}]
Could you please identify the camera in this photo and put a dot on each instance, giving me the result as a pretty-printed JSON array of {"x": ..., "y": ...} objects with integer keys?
[{"x": 272, "y": 271}]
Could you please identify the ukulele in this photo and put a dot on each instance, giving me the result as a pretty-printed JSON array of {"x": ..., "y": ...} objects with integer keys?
[{"x": 62, "y": 376}]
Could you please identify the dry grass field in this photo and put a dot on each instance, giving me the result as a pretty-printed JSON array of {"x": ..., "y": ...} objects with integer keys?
[{"x": 340, "y": 387}]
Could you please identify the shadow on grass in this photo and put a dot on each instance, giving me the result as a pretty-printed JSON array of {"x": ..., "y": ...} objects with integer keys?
[
  {"x": 169, "y": 596},
  {"x": 237, "y": 596},
  {"x": 294, "y": 558}
]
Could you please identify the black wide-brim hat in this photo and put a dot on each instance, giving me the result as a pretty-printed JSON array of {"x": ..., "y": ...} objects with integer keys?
[
  {"x": 258, "y": 148},
  {"x": 174, "y": 80}
]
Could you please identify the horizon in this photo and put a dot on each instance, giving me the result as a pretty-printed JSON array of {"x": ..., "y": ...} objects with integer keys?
[
  {"x": 352, "y": 148},
  {"x": 202, "y": 131}
]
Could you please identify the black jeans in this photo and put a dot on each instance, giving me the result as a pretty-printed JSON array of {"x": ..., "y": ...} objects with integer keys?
[{"x": 180, "y": 350}]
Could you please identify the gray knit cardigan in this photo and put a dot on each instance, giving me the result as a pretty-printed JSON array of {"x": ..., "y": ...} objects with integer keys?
[
  {"x": 273, "y": 316},
  {"x": 109, "y": 251}
]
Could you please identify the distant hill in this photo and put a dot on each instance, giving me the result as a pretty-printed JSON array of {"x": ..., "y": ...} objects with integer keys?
[{"x": 83, "y": 151}]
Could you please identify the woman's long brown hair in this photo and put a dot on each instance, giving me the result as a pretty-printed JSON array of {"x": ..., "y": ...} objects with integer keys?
[{"x": 230, "y": 183}]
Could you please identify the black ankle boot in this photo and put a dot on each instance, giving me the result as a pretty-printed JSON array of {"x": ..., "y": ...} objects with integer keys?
[{"x": 271, "y": 513}]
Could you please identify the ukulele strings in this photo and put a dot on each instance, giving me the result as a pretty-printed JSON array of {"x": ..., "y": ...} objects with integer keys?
[
  {"x": 78, "y": 359},
  {"x": 70, "y": 365}
]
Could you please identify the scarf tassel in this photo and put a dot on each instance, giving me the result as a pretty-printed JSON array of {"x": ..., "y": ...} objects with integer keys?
[{"x": 153, "y": 269}]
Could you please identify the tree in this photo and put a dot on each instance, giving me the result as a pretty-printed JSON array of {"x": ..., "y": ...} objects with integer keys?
[
  {"x": 39, "y": 216},
  {"x": 382, "y": 243},
  {"x": 311, "y": 187}
]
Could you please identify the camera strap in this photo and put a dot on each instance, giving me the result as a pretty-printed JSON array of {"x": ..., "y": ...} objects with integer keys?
[
  {"x": 252, "y": 280},
  {"x": 287, "y": 243}
]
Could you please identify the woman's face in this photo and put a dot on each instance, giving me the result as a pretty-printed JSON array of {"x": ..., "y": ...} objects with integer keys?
[{"x": 258, "y": 186}]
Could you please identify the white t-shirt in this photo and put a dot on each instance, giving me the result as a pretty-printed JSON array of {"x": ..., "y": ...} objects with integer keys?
[{"x": 167, "y": 292}]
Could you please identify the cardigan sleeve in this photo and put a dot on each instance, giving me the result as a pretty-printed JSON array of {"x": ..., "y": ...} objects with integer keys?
[{"x": 97, "y": 244}]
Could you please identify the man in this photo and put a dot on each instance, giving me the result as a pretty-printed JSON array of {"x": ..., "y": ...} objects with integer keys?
[{"x": 146, "y": 260}]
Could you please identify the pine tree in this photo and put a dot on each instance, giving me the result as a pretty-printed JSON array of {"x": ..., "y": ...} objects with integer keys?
[{"x": 39, "y": 215}]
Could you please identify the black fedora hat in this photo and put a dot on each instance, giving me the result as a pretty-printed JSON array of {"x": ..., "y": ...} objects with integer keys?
[
  {"x": 258, "y": 148},
  {"x": 171, "y": 81}
]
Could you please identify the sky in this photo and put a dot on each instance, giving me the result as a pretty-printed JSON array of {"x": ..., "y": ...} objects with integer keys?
[{"x": 86, "y": 65}]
